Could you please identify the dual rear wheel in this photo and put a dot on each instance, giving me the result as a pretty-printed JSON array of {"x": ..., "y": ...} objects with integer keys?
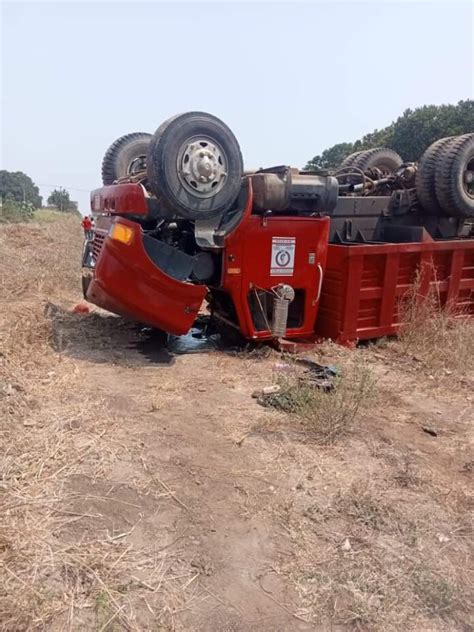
[{"x": 445, "y": 177}]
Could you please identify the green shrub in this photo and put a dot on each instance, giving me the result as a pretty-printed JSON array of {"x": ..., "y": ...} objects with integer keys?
[{"x": 12, "y": 211}]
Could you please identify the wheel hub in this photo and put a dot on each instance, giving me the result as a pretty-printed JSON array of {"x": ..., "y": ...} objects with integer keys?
[
  {"x": 202, "y": 167},
  {"x": 468, "y": 178},
  {"x": 138, "y": 164}
]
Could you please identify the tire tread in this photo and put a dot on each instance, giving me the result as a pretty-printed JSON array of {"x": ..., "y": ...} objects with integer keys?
[
  {"x": 109, "y": 162},
  {"x": 367, "y": 158},
  {"x": 426, "y": 175},
  {"x": 446, "y": 174}
]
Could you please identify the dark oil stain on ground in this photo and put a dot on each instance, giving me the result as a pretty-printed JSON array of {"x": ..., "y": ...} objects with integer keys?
[
  {"x": 152, "y": 345},
  {"x": 161, "y": 348}
]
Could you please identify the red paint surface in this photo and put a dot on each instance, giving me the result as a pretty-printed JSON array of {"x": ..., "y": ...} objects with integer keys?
[
  {"x": 249, "y": 249},
  {"x": 363, "y": 285},
  {"x": 120, "y": 198},
  {"x": 128, "y": 283}
]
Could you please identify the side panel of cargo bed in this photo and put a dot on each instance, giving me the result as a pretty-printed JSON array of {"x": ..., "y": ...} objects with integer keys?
[{"x": 363, "y": 285}]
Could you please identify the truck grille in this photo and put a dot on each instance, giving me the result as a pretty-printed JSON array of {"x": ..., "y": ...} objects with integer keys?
[{"x": 99, "y": 238}]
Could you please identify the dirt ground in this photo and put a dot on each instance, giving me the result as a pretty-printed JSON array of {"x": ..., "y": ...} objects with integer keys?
[{"x": 154, "y": 493}]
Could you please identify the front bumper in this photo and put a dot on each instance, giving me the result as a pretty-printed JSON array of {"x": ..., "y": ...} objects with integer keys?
[{"x": 128, "y": 283}]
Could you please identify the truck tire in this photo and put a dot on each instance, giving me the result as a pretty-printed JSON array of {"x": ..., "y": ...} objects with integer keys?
[
  {"x": 387, "y": 160},
  {"x": 194, "y": 166},
  {"x": 125, "y": 156},
  {"x": 426, "y": 176},
  {"x": 454, "y": 177},
  {"x": 349, "y": 160}
]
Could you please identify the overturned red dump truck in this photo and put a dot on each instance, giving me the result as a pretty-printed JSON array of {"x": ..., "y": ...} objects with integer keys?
[{"x": 277, "y": 253}]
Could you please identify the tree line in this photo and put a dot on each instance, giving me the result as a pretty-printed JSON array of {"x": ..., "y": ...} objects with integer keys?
[
  {"x": 20, "y": 197},
  {"x": 409, "y": 135}
]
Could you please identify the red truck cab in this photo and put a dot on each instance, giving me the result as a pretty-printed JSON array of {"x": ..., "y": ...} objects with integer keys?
[{"x": 142, "y": 278}]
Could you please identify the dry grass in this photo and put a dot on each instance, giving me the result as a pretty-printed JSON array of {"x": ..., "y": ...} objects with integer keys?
[
  {"x": 326, "y": 415},
  {"x": 382, "y": 565},
  {"x": 51, "y": 215},
  {"x": 51, "y": 432},
  {"x": 382, "y": 533},
  {"x": 35, "y": 265},
  {"x": 441, "y": 339}
]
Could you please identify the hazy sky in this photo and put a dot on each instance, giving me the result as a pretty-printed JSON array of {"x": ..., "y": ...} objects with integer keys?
[{"x": 290, "y": 79}]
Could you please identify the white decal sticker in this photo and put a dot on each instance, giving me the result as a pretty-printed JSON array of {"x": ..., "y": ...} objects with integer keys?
[{"x": 283, "y": 256}]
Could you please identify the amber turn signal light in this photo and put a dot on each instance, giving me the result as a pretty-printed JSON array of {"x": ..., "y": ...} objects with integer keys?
[{"x": 121, "y": 233}]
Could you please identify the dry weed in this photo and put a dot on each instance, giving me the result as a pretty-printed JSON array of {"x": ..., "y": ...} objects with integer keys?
[
  {"x": 326, "y": 415},
  {"x": 435, "y": 334}
]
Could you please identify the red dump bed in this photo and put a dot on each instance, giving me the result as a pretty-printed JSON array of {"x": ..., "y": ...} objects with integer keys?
[{"x": 363, "y": 284}]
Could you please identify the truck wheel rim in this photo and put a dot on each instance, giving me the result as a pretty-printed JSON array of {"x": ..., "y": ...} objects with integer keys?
[
  {"x": 468, "y": 178},
  {"x": 136, "y": 165},
  {"x": 202, "y": 166}
]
